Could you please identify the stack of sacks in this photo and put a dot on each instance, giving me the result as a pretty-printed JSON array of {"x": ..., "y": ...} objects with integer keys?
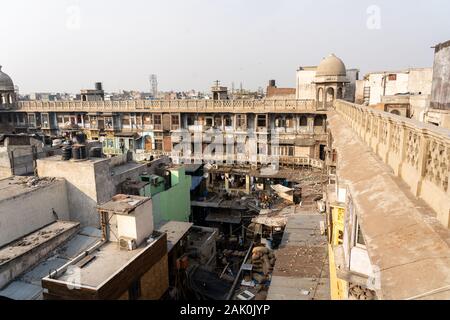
[{"x": 263, "y": 261}]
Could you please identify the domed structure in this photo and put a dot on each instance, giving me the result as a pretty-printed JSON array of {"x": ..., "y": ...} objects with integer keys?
[
  {"x": 7, "y": 94},
  {"x": 331, "y": 81},
  {"x": 6, "y": 83},
  {"x": 331, "y": 66}
]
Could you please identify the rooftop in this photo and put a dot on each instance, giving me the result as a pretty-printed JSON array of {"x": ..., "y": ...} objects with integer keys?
[
  {"x": 30, "y": 242},
  {"x": 402, "y": 234},
  {"x": 15, "y": 186},
  {"x": 175, "y": 230},
  {"x": 106, "y": 262},
  {"x": 123, "y": 204}
]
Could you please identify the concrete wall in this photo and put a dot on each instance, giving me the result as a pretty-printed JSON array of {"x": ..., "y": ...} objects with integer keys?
[
  {"x": 305, "y": 88},
  {"x": 174, "y": 203},
  {"x": 420, "y": 80},
  {"x": 81, "y": 187},
  {"x": 32, "y": 210},
  {"x": 392, "y": 87},
  {"x": 89, "y": 183},
  {"x": 414, "y": 81},
  {"x": 440, "y": 96}
]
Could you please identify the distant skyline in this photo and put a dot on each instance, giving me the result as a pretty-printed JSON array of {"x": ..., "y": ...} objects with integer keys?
[{"x": 67, "y": 45}]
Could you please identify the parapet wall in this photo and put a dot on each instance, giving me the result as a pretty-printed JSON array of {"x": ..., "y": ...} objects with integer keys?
[
  {"x": 418, "y": 153},
  {"x": 233, "y": 106}
]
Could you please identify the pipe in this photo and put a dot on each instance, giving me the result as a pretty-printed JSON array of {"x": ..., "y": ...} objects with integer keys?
[{"x": 230, "y": 293}]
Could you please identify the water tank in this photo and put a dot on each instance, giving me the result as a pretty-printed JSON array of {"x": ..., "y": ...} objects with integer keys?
[
  {"x": 79, "y": 152},
  {"x": 76, "y": 152},
  {"x": 66, "y": 153},
  {"x": 83, "y": 151},
  {"x": 271, "y": 83},
  {"x": 95, "y": 152},
  {"x": 98, "y": 86}
]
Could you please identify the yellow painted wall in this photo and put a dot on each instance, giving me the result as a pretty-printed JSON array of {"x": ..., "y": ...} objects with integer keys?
[{"x": 338, "y": 287}]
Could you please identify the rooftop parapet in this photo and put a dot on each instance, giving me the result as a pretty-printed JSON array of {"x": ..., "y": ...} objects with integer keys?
[
  {"x": 194, "y": 106},
  {"x": 419, "y": 153}
]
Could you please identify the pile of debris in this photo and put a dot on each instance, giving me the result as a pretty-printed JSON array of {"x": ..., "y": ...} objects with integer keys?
[
  {"x": 263, "y": 260},
  {"x": 357, "y": 292},
  {"x": 33, "y": 181}
]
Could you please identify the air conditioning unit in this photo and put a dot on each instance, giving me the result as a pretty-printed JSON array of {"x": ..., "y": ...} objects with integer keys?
[{"x": 128, "y": 244}]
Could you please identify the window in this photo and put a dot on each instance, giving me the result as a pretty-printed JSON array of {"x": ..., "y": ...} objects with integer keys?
[
  {"x": 157, "y": 119},
  {"x": 93, "y": 122},
  {"x": 45, "y": 122},
  {"x": 126, "y": 120},
  {"x": 108, "y": 122},
  {"x": 208, "y": 121},
  {"x": 318, "y": 121},
  {"x": 289, "y": 122},
  {"x": 175, "y": 119},
  {"x": 261, "y": 120},
  {"x": 303, "y": 121},
  {"x": 392, "y": 77},
  {"x": 240, "y": 121},
  {"x": 279, "y": 122},
  {"x": 228, "y": 122},
  {"x": 139, "y": 120},
  {"x": 20, "y": 118},
  {"x": 31, "y": 119},
  {"x": 217, "y": 121},
  {"x": 190, "y": 120},
  {"x": 158, "y": 145},
  {"x": 359, "y": 238},
  {"x": 148, "y": 119}
]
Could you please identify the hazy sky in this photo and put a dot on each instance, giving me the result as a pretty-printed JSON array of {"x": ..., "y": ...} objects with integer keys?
[{"x": 66, "y": 45}]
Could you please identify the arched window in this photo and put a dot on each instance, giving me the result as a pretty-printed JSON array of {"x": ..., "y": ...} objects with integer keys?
[
  {"x": 318, "y": 121},
  {"x": 320, "y": 94},
  {"x": 289, "y": 121},
  {"x": 339, "y": 94},
  {"x": 330, "y": 94},
  {"x": 303, "y": 121},
  {"x": 279, "y": 123}
]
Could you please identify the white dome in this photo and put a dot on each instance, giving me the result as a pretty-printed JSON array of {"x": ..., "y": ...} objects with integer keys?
[
  {"x": 331, "y": 66},
  {"x": 6, "y": 83}
]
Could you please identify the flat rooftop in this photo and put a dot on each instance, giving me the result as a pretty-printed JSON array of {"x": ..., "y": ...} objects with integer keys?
[
  {"x": 105, "y": 263},
  {"x": 123, "y": 203},
  {"x": 28, "y": 286},
  {"x": 87, "y": 160},
  {"x": 26, "y": 244},
  {"x": 175, "y": 230},
  {"x": 17, "y": 185}
]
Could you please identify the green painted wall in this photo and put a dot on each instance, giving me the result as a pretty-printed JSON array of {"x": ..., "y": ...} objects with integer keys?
[{"x": 174, "y": 203}]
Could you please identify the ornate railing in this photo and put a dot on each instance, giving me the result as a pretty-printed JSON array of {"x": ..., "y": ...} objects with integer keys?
[
  {"x": 233, "y": 106},
  {"x": 419, "y": 153}
]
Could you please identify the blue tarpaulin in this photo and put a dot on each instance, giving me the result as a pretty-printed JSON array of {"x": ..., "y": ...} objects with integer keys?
[{"x": 196, "y": 180}]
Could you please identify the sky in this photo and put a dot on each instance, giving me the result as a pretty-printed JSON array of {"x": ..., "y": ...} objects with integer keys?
[{"x": 67, "y": 45}]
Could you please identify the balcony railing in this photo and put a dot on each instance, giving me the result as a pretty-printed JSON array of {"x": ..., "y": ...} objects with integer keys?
[
  {"x": 232, "y": 106},
  {"x": 419, "y": 153}
]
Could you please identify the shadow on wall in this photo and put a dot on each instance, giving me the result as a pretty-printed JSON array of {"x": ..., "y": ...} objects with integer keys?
[{"x": 82, "y": 208}]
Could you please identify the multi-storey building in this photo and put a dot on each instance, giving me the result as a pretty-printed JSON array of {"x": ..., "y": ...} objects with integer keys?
[{"x": 157, "y": 126}]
